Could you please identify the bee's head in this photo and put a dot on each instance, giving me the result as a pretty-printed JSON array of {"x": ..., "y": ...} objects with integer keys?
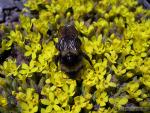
[
  {"x": 70, "y": 58},
  {"x": 68, "y": 31}
]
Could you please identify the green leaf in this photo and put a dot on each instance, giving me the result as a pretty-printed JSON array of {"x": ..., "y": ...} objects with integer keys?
[
  {"x": 28, "y": 53},
  {"x": 45, "y": 101},
  {"x": 35, "y": 109},
  {"x": 27, "y": 47},
  {"x": 34, "y": 69},
  {"x": 56, "y": 108},
  {"x": 25, "y": 66},
  {"x": 33, "y": 55},
  {"x": 49, "y": 108},
  {"x": 123, "y": 101}
]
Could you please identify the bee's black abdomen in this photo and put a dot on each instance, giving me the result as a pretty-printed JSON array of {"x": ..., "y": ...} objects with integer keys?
[
  {"x": 70, "y": 59},
  {"x": 72, "y": 74}
]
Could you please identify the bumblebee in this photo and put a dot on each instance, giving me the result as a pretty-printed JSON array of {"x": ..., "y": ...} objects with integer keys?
[{"x": 70, "y": 53}]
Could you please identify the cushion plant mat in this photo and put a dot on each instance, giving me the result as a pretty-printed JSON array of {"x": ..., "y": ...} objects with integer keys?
[{"x": 115, "y": 35}]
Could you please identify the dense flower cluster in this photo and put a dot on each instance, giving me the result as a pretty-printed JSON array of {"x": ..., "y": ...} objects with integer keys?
[{"x": 115, "y": 35}]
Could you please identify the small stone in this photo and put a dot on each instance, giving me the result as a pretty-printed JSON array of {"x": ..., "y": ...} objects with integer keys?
[
  {"x": 6, "y": 12},
  {"x": 14, "y": 16},
  {"x": 19, "y": 5},
  {"x": 145, "y": 3},
  {"x": 24, "y": 1},
  {"x": 1, "y": 15},
  {"x": 7, "y": 4},
  {"x": 7, "y": 18}
]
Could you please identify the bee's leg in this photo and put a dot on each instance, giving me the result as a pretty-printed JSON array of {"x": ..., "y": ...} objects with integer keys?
[
  {"x": 87, "y": 58},
  {"x": 56, "y": 59}
]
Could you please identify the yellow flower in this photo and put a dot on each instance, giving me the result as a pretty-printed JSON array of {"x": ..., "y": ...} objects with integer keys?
[
  {"x": 132, "y": 62},
  {"x": 118, "y": 101},
  {"x": 32, "y": 50},
  {"x": 80, "y": 102},
  {"x": 28, "y": 101},
  {"x": 25, "y": 22},
  {"x": 2, "y": 81},
  {"x": 98, "y": 46},
  {"x": 108, "y": 83},
  {"x": 16, "y": 36},
  {"x": 34, "y": 38},
  {"x": 91, "y": 78},
  {"x": 41, "y": 27},
  {"x": 69, "y": 88},
  {"x": 52, "y": 99},
  {"x": 100, "y": 68},
  {"x": 101, "y": 98},
  {"x": 112, "y": 56},
  {"x": 117, "y": 44},
  {"x": 145, "y": 103},
  {"x": 84, "y": 29},
  {"x": 132, "y": 89},
  {"x": 145, "y": 67},
  {"x": 127, "y": 47},
  {"x": 129, "y": 74},
  {"x": 28, "y": 108},
  {"x": 9, "y": 68},
  {"x": 5, "y": 45},
  {"x": 145, "y": 79},
  {"x": 50, "y": 49},
  {"x": 51, "y": 102},
  {"x": 28, "y": 70},
  {"x": 119, "y": 70},
  {"x": 3, "y": 101},
  {"x": 87, "y": 46}
]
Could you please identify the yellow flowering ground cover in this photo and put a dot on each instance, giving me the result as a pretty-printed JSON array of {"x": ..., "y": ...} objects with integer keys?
[{"x": 115, "y": 34}]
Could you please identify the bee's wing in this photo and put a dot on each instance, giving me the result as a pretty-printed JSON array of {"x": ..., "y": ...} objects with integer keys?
[{"x": 68, "y": 31}]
